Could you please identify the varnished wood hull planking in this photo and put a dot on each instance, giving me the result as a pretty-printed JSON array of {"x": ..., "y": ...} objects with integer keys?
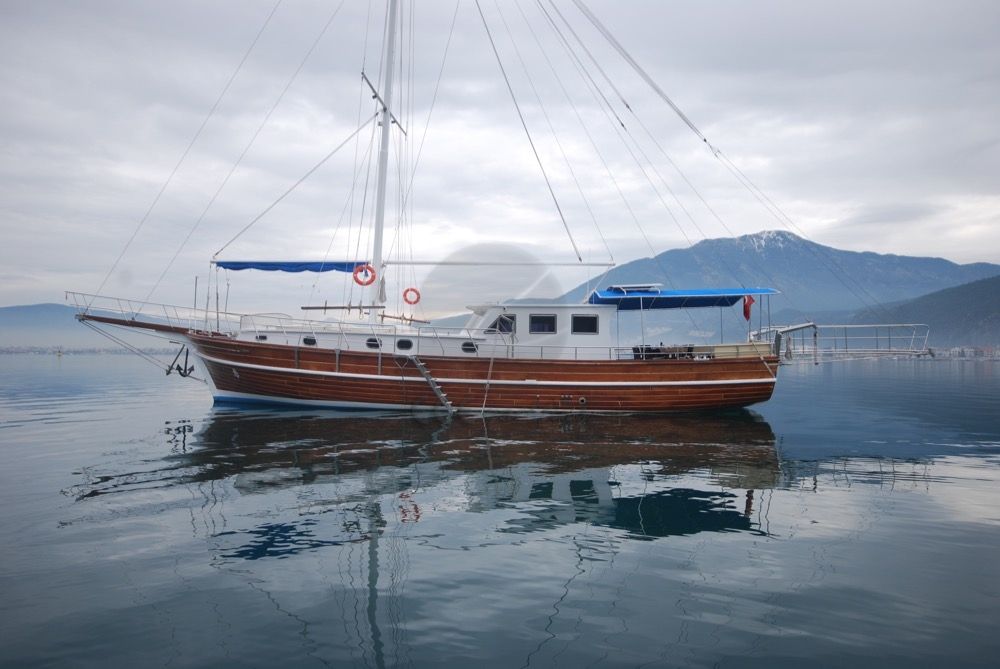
[{"x": 249, "y": 371}]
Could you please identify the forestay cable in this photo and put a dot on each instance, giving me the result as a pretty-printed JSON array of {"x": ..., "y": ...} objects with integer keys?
[{"x": 197, "y": 134}]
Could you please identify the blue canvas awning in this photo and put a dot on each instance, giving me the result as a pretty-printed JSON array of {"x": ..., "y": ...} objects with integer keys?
[
  {"x": 629, "y": 299},
  {"x": 286, "y": 266}
]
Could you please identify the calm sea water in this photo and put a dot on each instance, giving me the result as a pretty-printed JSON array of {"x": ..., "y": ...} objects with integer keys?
[{"x": 854, "y": 520}]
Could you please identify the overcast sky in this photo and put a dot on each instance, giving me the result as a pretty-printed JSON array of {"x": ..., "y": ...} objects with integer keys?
[{"x": 873, "y": 125}]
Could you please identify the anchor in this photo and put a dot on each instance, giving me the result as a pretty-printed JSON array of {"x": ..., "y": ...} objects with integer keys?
[{"x": 183, "y": 370}]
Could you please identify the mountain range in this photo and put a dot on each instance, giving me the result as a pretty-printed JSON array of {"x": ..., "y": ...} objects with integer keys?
[
  {"x": 817, "y": 283},
  {"x": 813, "y": 279}
]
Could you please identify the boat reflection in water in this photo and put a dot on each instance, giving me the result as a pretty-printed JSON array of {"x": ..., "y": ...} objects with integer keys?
[
  {"x": 388, "y": 537},
  {"x": 651, "y": 476}
]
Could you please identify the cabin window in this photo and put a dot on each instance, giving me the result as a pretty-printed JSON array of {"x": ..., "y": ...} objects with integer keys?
[
  {"x": 469, "y": 347},
  {"x": 504, "y": 324},
  {"x": 373, "y": 342},
  {"x": 309, "y": 341},
  {"x": 404, "y": 344},
  {"x": 542, "y": 323},
  {"x": 584, "y": 324},
  {"x": 261, "y": 337}
]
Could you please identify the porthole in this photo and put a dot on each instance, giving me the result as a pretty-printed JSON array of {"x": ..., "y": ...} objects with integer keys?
[
  {"x": 261, "y": 337},
  {"x": 309, "y": 341},
  {"x": 469, "y": 347},
  {"x": 404, "y": 344},
  {"x": 373, "y": 342}
]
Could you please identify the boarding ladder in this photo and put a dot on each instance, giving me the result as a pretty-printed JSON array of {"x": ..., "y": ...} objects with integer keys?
[{"x": 432, "y": 382}]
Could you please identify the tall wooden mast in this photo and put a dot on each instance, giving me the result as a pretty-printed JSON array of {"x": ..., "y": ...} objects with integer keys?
[{"x": 383, "y": 156}]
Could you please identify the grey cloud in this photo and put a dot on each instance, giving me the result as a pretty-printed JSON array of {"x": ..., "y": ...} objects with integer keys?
[{"x": 859, "y": 118}]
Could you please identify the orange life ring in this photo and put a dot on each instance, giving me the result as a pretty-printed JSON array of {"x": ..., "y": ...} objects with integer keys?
[
  {"x": 369, "y": 273},
  {"x": 411, "y": 296}
]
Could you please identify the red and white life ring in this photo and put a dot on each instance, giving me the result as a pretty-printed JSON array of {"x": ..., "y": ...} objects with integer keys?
[
  {"x": 369, "y": 275},
  {"x": 411, "y": 296}
]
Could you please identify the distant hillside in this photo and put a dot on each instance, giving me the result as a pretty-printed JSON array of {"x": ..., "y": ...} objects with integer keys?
[
  {"x": 966, "y": 315},
  {"x": 46, "y": 325},
  {"x": 812, "y": 278}
]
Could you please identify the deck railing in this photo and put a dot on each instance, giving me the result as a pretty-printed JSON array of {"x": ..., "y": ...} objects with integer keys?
[
  {"x": 810, "y": 342},
  {"x": 188, "y": 318},
  {"x": 425, "y": 340}
]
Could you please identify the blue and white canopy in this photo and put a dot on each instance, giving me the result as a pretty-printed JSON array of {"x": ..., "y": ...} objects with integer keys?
[
  {"x": 292, "y": 266},
  {"x": 649, "y": 296}
]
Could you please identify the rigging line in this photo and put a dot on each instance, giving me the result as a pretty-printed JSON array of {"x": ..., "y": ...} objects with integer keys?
[
  {"x": 593, "y": 60},
  {"x": 583, "y": 125},
  {"x": 641, "y": 72},
  {"x": 434, "y": 96},
  {"x": 295, "y": 185},
  {"x": 352, "y": 196},
  {"x": 744, "y": 180},
  {"x": 835, "y": 269},
  {"x": 187, "y": 150},
  {"x": 368, "y": 26},
  {"x": 624, "y": 128},
  {"x": 348, "y": 203},
  {"x": 364, "y": 204},
  {"x": 787, "y": 221},
  {"x": 526, "y": 132},
  {"x": 608, "y": 109},
  {"x": 621, "y": 97},
  {"x": 552, "y": 129},
  {"x": 246, "y": 150},
  {"x": 663, "y": 95},
  {"x": 760, "y": 267}
]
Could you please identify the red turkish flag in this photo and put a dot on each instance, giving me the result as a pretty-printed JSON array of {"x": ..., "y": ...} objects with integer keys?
[{"x": 747, "y": 301}]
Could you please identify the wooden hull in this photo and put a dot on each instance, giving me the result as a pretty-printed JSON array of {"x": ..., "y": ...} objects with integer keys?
[{"x": 242, "y": 371}]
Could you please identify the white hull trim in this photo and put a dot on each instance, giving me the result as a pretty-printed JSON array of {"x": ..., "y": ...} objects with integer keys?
[{"x": 494, "y": 382}]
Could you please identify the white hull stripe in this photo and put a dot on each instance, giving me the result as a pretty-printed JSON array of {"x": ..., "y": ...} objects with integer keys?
[{"x": 494, "y": 382}]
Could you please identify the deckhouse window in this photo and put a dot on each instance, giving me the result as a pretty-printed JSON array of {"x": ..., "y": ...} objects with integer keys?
[
  {"x": 404, "y": 344},
  {"x": 309, "y": 341},
  {"x": 584, "y": 324},
  {"x": 504, "y": 324},
  {"x": 373, "y": 342},
  {"x": 542, "y": 323}
]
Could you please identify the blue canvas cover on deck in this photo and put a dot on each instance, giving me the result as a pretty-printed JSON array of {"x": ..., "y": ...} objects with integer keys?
[
  {"x": 629, "y": 299},
  {"x": 286, "y": 266}
]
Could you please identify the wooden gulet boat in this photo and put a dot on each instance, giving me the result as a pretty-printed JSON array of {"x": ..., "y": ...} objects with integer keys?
[
  {"x": 540, "y": 356},
  {"x": 564, "y": 361}
]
